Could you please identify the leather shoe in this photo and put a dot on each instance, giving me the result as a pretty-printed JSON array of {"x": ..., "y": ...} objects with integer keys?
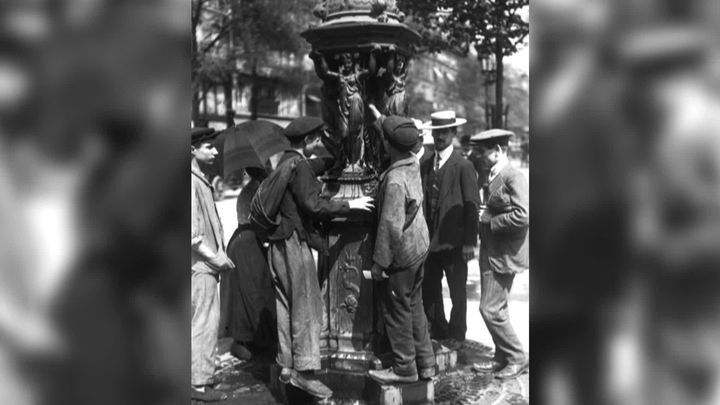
[
  {"x": 427, "y": 373},
  {"x": 240, "y": 351},
  {"x": 487, "y": 366},
  {"x": 208, "y": 395},
  {"x": 388, "y": 376},
  {"x": 309, "y": 383},
  {"x": 512, "y": 370}
]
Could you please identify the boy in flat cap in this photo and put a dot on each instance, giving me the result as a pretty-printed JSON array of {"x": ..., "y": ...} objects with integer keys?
[
  {"x": 297, "y": 290},
  {"x": 504, "y": 226},
  {"x": 452, "y": 199},
  {"x": 208, "y": 260},
  {"x": 401, "y": 245}
]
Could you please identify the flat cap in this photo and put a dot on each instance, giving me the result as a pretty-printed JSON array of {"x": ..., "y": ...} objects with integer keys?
[
  {"x": 201, "y": 134},
  {"x": 302, "y": 126},
  {"x": 494, "y": 134},
  {"x": 400, "y": 132}
]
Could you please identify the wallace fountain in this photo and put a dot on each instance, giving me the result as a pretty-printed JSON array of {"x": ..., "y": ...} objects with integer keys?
[{"x": 361, "y": 50}]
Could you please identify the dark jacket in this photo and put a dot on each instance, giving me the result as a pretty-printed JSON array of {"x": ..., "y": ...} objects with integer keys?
[
  {"x": 402, "y": 236},
  {"x": 504, "y": 239},
  {"x": 302, "y": 206},
  {"x": 455, "y": 221}
]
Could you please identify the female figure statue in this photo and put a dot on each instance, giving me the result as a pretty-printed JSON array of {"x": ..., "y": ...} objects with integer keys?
[
  {"x": 347, "y": 83},
  {"x": 397, "y": 67}
]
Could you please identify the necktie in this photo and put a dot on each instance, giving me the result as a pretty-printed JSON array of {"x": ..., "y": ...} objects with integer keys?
[{"x": 437, "y": 162}]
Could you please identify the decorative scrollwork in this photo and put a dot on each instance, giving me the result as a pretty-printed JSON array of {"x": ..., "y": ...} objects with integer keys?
[{"x": 349, "y": 277}]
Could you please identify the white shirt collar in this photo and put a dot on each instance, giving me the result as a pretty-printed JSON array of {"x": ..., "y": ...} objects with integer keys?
[
  {"x": 444, "y": 155},
  {"x": 420, "y": 153},
  {"x": 498, "y": 166}
]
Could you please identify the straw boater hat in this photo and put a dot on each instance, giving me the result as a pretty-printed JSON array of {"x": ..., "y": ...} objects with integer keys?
[{"x": 443, "y": 119}]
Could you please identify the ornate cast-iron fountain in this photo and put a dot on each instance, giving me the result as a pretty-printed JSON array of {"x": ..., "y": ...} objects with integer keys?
[{"x": 361, "y": 51}]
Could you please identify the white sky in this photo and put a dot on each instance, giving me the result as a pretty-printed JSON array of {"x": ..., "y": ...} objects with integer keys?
[{"x": 521, "y": 60}]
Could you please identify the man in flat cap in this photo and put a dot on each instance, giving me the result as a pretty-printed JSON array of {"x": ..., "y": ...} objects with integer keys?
[
  {"x": 452, "y": 199},
  {"x": 208, "y": 260},
  {"x": 401, "y": 245},
  {"x": 504, "y": 226},
  {"x": 297, "y": 290}
]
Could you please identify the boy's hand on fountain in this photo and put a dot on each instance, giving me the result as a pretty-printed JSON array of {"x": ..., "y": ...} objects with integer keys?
[
  {"x": 374, "y": 110},
  {"x": 362, "y": 203}
]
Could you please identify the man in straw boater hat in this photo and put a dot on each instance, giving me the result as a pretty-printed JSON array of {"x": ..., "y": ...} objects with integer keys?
[
  {"x": 208, "y": 260},
  {"x": 401, "y": 245},
  {"x": 504, "y": 225},
  {"x": 452, "y": 200},
  {"x": 297, "y": 290}
]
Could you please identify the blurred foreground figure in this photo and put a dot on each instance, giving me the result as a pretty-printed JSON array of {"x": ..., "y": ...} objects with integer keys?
[
  {"x": 504, "y": 226},
  {"x": 208, "y": 261},
  {"x": 582, "y": 162},
  {"x": 676, "y": 225}
]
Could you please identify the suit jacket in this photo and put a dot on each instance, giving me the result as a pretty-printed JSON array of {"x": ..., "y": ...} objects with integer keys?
[
  {"x": 455, "y": 221},
  {"x": 504, "y": 238},
  {"x": 402, "y": 235}
]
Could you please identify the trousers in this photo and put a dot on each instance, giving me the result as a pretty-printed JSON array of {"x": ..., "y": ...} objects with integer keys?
[
  {"x": 494, "y": 290},
  {"x": 298, "y": 303},
  {"x": 203, "y": 326},
  {"x": 454, "y": 267},
  {"x": 405, "y": 321}
]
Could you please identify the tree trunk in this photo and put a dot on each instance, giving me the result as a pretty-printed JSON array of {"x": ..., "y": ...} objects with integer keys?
[
  {"x": 195, "y": 113},
  {"x": 195, "y": 105},
  {"x": 254, "y": 90},
  {"x": 229, "y": 112},
  {"x": 498, "y": 116}
]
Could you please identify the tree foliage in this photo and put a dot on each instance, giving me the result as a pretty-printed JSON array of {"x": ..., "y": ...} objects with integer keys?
[
  {"x": 230, "y": 36},
  {"x": 494, "y": 28},
  {"x": 457, "y": 25}
]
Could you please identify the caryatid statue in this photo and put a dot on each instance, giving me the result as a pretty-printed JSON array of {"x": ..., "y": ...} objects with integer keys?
[
  {"x": 395, "y": 75},
  {"x": 344, "y": 103}
]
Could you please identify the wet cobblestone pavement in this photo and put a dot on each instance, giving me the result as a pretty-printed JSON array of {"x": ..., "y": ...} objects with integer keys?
[{"x": 247, "y": 382}]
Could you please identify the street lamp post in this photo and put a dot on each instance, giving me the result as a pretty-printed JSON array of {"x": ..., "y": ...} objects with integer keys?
[{"x": 488, "y": 67}]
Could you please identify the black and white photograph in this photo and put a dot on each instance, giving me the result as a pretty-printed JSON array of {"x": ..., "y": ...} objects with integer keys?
[
  {"x": 361, "y": 211},
  {"x": 358, "y": 202}
]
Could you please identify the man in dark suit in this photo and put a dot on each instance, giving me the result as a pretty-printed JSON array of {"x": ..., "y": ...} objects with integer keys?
[
  {"x": 451, "y": 205},
  {"x": 504, "y": 225}
]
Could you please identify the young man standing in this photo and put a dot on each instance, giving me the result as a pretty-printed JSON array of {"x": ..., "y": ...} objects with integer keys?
[
  {"x": 208, "y": 260},
  {"x": 452, "y": 199},
  {"x": 504, "y": 226},
  {"x": 401, "y": 246},
  {"x": 297, "y": 290}
]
